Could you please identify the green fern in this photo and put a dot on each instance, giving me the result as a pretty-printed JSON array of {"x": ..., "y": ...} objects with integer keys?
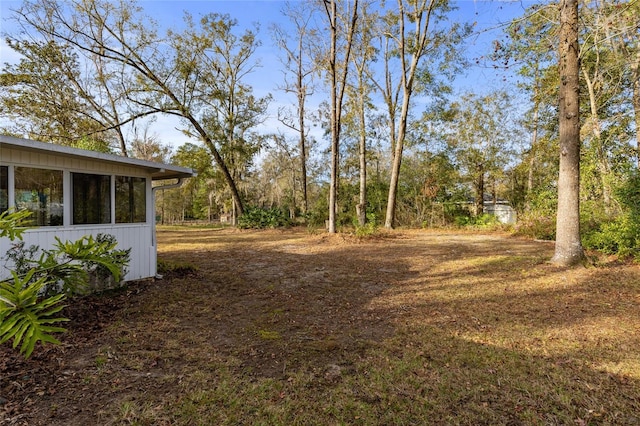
[
  {"x": 12, "y": 222},
  {"x": 30, "y": 300},
  {"x": 88, "y": 250},
  {"x": 25, "y": 317}
]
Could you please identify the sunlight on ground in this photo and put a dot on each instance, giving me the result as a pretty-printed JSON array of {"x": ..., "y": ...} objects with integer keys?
[{"x": 515, "y": 302}]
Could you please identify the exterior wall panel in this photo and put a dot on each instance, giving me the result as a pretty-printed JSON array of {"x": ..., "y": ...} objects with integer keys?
[{"x": 137, "y": 237}]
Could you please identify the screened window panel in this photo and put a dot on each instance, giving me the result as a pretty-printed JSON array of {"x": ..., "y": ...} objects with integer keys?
[
  {"x": 131, "y": 199},
  {"x": 40, "y": 192},
  {"x": 4, "y": 188},
  {"x": 91, "y": 198}
]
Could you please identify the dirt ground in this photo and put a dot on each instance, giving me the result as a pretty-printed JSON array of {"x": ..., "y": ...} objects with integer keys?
[{"x": 270, "y": 304}]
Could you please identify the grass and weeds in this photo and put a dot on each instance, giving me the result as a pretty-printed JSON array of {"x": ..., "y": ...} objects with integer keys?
[{"x": 288, "y": 328}]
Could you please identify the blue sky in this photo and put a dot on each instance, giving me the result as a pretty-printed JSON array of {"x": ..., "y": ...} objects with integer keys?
[{"x": 488, "y": 15}]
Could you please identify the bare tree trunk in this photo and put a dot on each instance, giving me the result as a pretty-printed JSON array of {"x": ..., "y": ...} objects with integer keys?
[
  {"x": 303, "y": 144},
  {"x": 635, "y": 68},
  {"x": 361, "y": 208},
  {"x": 391, "y": 98},
  {"x": 294, "y": 63},
  {"x": 338, "y": 86},
  {"x": 333, "y": 188},
  {"x": 568, "y": 249},
  {"x": 420, "y": 17},
  {"x": 480, "y": 191},
  {"x": 395, "y": 168},
  {"x": 603, "y": 163}
]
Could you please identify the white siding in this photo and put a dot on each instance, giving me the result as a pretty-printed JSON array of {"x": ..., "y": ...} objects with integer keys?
[{"x": 135, "y": 236}]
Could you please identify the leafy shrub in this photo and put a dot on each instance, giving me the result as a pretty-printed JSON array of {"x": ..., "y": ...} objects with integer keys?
[
  {"x": 621, "y": 235},
  {"x": 369, "y": 228},
  {"x": 22, "y": 257},
  {"x": 487, "y": 220},
  {"x": 71, "y": 267},
  {"x": 257, "y": 218},
  {"x": 24, "y": 316},
  {"x": 462, "y": 220},
  {"x": 316, "y": 219},
  {"x": 30, "y": 299},
  {"x": 628, "y": 195},
  {"x": 482, "y": 221},
  {"x": 455, "y": 214},
  {"x": 99, "y": 274},
  {"x": 542, "y": 227},
  {"x": 543, "y": 201}
]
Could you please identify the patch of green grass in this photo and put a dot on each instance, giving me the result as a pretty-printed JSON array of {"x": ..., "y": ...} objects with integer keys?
[
  {"x": 192, "y": 225},
  {"x": 269, "y": 335},
  {"x": 138, "y": 414},
  {"x": 179, "y": 269},
  {"x": 101, "y": 360}
]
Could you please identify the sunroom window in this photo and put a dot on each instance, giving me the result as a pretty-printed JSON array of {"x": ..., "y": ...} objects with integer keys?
[
  {"x": 4, "y": 188},
  {"x": 131, "y": 199},
  {"x": 40, "y": 192},
  {"x": 91, "y": 198}
]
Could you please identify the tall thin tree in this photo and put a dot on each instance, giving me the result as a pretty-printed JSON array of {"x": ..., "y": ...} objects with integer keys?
[
  {"x": 416, "y": 33},
  {"x": 568, "y": 249},
  {"x": 298, "y": 80},
  {"x": 337, "y": 73}
]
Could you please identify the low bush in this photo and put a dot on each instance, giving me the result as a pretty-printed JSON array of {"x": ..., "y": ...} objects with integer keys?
[
  {"x": 369, "y": 228},
  {"x": 31, "y": 298},
  {"x": 536, "y": 226},
  {"x": 483, "y": 221},
  {"x": 620, "y": 236},
  {"x": 257, "y": 218}
]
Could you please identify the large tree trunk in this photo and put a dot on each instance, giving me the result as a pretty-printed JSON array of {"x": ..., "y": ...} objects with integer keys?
[{"x": 568, "y": 249}]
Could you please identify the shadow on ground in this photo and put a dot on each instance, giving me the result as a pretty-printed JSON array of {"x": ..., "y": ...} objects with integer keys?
[{"x": 291, "y": 328}]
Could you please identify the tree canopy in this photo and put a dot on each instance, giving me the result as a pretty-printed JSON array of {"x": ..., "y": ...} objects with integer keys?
[{"x": 405, "y": 145}]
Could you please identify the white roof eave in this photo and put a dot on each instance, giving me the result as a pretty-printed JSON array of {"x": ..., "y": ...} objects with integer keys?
[{"x": 158, "y": 170}]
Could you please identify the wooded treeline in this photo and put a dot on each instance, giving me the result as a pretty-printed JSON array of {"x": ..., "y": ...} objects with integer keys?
[{"x": 393, "y": 142}]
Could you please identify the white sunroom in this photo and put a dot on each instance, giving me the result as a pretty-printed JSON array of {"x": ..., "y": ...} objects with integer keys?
[{"x": 74, "y": 192}]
